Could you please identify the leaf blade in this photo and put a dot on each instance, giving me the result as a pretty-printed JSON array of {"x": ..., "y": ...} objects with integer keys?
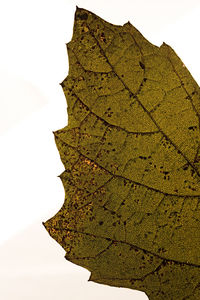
[{"x": 131, "y": 157}]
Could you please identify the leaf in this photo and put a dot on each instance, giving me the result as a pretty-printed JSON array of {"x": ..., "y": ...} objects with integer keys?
[{"x": 131, "y": 152}]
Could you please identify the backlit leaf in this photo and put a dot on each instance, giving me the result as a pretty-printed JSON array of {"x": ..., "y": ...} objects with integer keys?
[{"x": 131, "y": 152}]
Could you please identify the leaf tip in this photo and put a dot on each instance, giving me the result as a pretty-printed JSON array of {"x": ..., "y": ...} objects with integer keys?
[
  {"x": 128, "y": 23},
  {"x": 164, "y": 45},
  {"x": 79, "y": 9},
  {"x": 55, "y": 134},
  {"x": 62, "y": 84},
  {"x": 43, "y": 223}
]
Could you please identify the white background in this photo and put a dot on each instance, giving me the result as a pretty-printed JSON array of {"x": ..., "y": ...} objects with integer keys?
[{"x": 33, "y": 61}]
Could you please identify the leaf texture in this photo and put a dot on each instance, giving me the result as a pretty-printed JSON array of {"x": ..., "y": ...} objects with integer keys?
[{"x": 131, "y": 152}]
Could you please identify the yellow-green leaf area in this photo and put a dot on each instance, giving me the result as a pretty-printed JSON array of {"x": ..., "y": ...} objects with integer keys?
[{"x": 131, "y": 156}]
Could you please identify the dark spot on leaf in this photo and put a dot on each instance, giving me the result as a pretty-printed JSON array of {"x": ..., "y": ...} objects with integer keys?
[
  {"x": 192, "y": 128},
  {"x": 185, "y": 167},
  {"x": 142, "y": 157},
  {"x": 142, "y": 65},
  {"x": 108, "y": 239},
  {"x": 83, "y": 16}
]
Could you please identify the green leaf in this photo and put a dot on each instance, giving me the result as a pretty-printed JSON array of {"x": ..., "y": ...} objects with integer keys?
[{"x": 131, "y": 152}]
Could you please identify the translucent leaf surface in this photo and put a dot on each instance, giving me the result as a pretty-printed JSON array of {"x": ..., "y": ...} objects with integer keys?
[{"x": 131, "y": 152}]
